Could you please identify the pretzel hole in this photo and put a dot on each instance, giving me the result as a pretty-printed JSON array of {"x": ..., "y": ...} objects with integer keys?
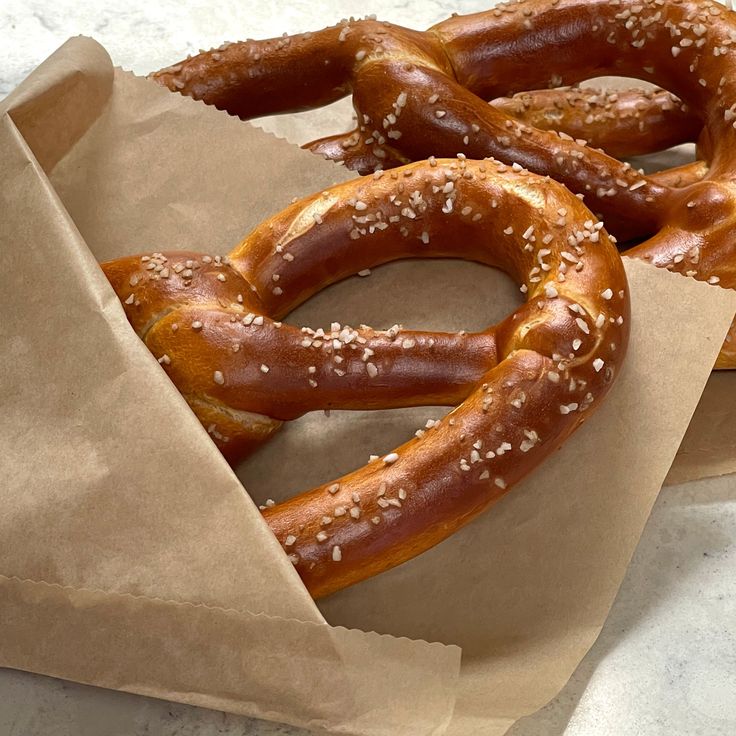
[
  {"x": 454, "y": 295},
  {"x": 653, "y": 163},
  {"x": 308, "y": 125}
]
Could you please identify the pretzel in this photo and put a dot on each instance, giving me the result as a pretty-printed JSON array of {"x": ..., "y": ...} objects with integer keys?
[
  {"x": 421, "y": 93},
  {"x": 520, "y": 387}
]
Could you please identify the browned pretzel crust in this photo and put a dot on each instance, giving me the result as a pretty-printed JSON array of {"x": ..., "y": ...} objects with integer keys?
[
  {"x": 627, "y": 122},
  {"x": 622, "y": 123},
  {"x": 421, "y": 93},
  {"x": 520, "y": 387}
]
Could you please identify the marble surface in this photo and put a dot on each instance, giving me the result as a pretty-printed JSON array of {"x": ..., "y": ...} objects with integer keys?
[{"x": 665, "y": 663}]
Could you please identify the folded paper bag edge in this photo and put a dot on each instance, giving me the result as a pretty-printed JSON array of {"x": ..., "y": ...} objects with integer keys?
[
  {"x": 105, "y": 303},
  {"x": 221, "y": 609},
  {"x": 72, "y": 85},
  {"x": 414, "y": 659}
]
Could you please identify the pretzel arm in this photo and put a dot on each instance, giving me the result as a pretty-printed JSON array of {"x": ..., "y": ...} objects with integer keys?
[
  {"x": 273, "y": 369},
  {"x": 255, "y": 78},
  {"x": 292, "y": 73},
  {"x": 362, "y": 513},
  {"x": 623, "y": 123}
]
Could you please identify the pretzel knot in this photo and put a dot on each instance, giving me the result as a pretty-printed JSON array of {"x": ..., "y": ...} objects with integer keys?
[
  {"x": 520, "y": 388},
  {"x": 426, "y": 93}
]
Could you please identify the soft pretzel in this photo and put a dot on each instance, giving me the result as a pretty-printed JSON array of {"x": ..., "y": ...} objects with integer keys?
[
  {"x": 421, "y": 93},
  {"x": 521, "y": 387}
]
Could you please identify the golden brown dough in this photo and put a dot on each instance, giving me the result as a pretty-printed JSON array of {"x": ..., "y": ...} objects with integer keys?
[{"x": 623, "y": 122}]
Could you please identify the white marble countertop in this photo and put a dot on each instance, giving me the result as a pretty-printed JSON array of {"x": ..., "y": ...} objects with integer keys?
[{"x": 665, "y": 663}]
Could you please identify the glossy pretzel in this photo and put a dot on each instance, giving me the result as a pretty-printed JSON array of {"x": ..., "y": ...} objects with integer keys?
[
  {"x": 623, "y": 122},
  {"x": 420, "y": 93},
  {"x": 521, "y": 387}
]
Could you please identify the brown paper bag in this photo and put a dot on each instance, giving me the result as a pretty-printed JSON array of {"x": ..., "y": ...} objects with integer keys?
[{"x": 131, "y": 557}]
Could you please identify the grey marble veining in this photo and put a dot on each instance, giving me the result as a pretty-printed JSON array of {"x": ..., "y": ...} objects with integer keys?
[{"x": 665, "y": 664}]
